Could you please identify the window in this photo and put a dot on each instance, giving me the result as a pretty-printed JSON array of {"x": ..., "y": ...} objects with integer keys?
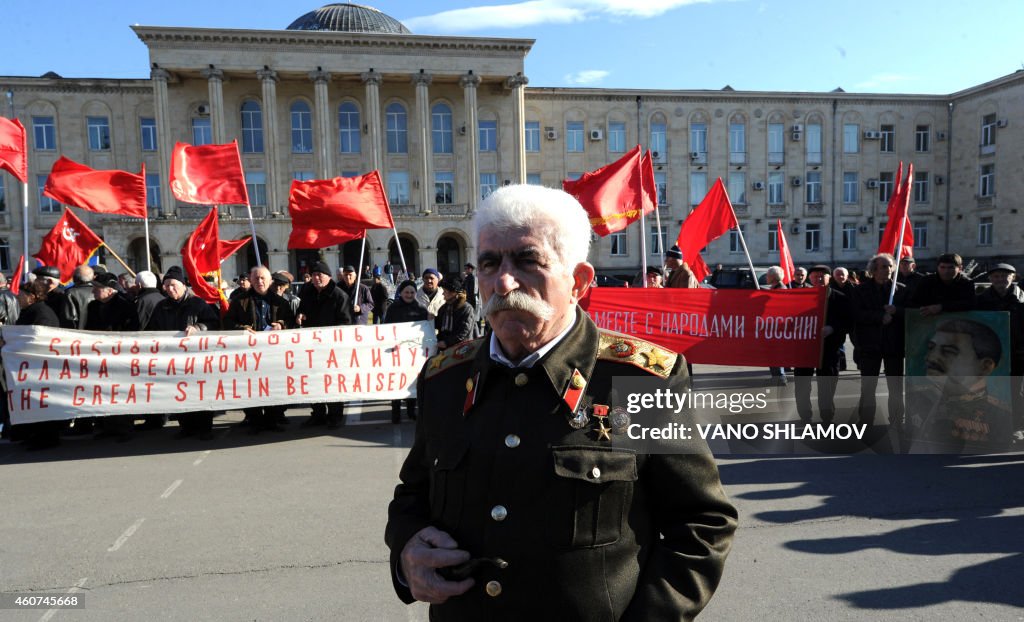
[
  {"x": 812, "y": 238},
  {"x": 302, "y": 175},
  {"x": 533, "y": 136},
  {"x": 348, "y": 128},
  {"x": 252, "y": 128},
  {"x": 618, "y": 241},
  {"x": 99, "y": 133},
  {"x": 488, "y": 184},
  {"x": 617, "y": 137},
  {"x": 46, "y": 204},
  {"x": 398, "y": 187},
  {"x": 488, "y": 135},
  {"x": 851, "y": 133},
  {"x": 659, "y": 147},
  {"x": 849, "y": 236},
  {"x": 776, "y": 143},
  {"x": 573, "y": 176},
  {"x": 441, "y": 136},
  {"x": 574, "y": 137},
  {"x": 813, "y": 143},
  {"x": 850, "y": 189},
  {"x": 776, "y": 182},
  {"x": 737, "y": 143},
  {"x": 699, "y": 139},
  {"x": 920, "y": 235},
  {"x": 658, "y": 241},
  {"x": 302, "y": 128},
  {"x": 661, "y": 184},
  {"x": 987, "y": 181},
  {"x": 152, "y": 189},
  {"x": 920, "y": 187},
  {"x": 3, "y": 200},
  {"x": 738, "y": 188},
  {"x": 202, "y": 133},
  {"x": 988, "y": 130},
  {"x": 533, "y": 179},
  {"x": 147, "y": 133},
  {"x": 5, "y": 255},
  {"x": 922, "y": 138},
  {"x": 444, "y": 188},
  {"x": 45, "y": 133},
  {"x": 881, "y": 230},
  {"x": 885, "y": 186},
  {"x": 985, "y": 231},
  {"x": 256, "y": 186},
  {"x": 698, "y": 187},
  {"x": 888, "y": 142},
  {"x": 350, "y": 174},
  {"x": 735, "y": 241},
  {"x": 773, "y": 237},
  {"x": 813, "y": 183},
  {"x": 397, "y": 128}
]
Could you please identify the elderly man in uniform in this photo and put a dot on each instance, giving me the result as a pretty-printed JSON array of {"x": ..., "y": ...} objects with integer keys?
[{"x": 514, "y": 504}]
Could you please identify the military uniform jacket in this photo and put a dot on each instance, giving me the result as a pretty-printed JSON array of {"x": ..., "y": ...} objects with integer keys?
[{"x": 496, "y": 464}]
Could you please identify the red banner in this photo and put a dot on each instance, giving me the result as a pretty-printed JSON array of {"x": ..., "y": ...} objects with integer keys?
[{"x": 756, "y": 328}]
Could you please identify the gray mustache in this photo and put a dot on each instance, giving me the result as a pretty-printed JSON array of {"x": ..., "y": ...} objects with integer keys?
[{"x": 518, "y": 301}]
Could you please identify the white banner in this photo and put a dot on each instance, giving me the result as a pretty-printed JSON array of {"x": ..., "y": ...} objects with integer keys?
[{"x": 61, "y": 374}]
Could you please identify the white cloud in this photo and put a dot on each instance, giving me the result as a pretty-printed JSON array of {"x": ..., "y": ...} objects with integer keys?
[
  {"x": 588, "y": 76},
  {"x": 535, "y": 12},
  {"x": 884, "y": 81}
]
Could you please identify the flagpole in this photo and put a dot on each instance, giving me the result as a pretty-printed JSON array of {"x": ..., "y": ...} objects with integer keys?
[
  {"x": 903, "y": 227},
  {"x": 255, "y": 240},
  {"x": 362, "y": 253},
  {"x": 24, "y": 230},
  {"x": 398, "y": 245},
  {"x": 118, "y": 258},
  {"x": 643, "y": 223},
  {"x": 746, "y": 252},
  {"x": 145, "y": 219}
]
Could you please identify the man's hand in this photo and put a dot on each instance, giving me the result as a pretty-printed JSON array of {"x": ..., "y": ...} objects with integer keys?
[
  {"x": 931, "y": 310},
  {"x": 300, "y": 319},
  {"x": 191, "y": 329},
  {"x": 355, "y": 309},
  {"x": 426, "y": 551}
]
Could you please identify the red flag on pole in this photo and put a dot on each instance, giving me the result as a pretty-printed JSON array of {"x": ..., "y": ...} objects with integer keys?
[
  {"x": 201, "y": 256},
  {"x": 14, "y": 148},
  {"x": 612, "y": 194},
  {"x": 898, "y": 213},
  {"x": 707, "y": 222},
  {"x": 228, "y": 247},
  {"x": 785, "y": 259},
  {"x": 107, "y": 192},
  {"x": 16, "y": 279},
  {"x": 68, "y": 245},
  {"x": 331, "y": 211},
  {"x": 209, "y": 174}
]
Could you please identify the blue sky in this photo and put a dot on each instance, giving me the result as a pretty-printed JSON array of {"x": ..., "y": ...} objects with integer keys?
[{"x": 876, "y": 46}]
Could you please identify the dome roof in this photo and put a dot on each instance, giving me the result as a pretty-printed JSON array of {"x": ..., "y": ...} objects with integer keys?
[{"x": 345, "y": 17}]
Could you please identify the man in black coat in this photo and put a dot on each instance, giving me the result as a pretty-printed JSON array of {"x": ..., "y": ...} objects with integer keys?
[
  {"x": 80, "y": 294},
  {"x": 1006, "y": 295},
  {"x": 381, "y": 301},
  {"x": 147, "y": 296},
  {"x": 837, "y": 325},
  {"x": 947, "y": 290},
  {"x": 9, "y": 307},
  {"x": 909, "y": 275},
  {"x": 56, "y": 299},
  {"x": 358, "y": 294},
  {"x": 322, "y": 303},
  {"x": 469, "y": 281},
  {"x": 111, "y": 311}
]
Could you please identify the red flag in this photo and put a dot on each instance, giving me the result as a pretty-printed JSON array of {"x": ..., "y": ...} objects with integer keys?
[
  {"x": 785, "y": 259},
  {"x": 208, "y": 174},
  {"x": 201, "y": 256},
  {"x": 16, "y": 279},
  {"x": 614, "y": 194},
  {"x": 107, "y": 192},
  {"x": 331, "y": 211},
  {"x": 14, "y": 148},
  {"x": 898, "y": 212},
  {"x": 708, "y": 221},
  {"x": 68, "y": 245},
  {"x": 228, "y": 247}
]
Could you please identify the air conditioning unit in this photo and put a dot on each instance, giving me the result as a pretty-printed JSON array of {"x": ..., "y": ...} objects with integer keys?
[
  {"x": 872, "y": 183},
  {"x": 795, "y": 229},
  {"x": 939, "y": 180},
  {"x": 940, "y": 136},
  {"x": 695, "y": 155},
  {"x": 1001, "y": 123},
  {"x": 596, "y": 135},
  {"x": 796, "y": 182},
  {"x": 797, "y": 127},
  {"x": 462, "y": 130},
  {"x": 758, "y": 185},
  {"x": 795, "y": 135},
  {"x": 863, "y": 228},
  {"x": 203, "y": 109},
  {"x": 551, "y": 133},
  {"x": 872, "y": 135}
]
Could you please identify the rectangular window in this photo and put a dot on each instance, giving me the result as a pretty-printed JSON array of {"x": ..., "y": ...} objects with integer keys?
[
  {"x": 488, "y": 136},
  {"x": 302, "y": 130},
  {"x": 5, "y": 255},
  {"x": 881, "y": 230},
  {"x": 350, "y": 174},
  {"x": 698, "y": 187},
  {"x": 887, "y": 144},
  {"x": 776, "y": 143},
  {"x": 657, "y": 241},
  {"x": 398, "y": 188},
  {"x": 737, "y": 187},
  {"x": 812, "y": 238},
  {"x": 885, "y": 186},
  {"x": 488, "y": 184},
  {"x": 985, "y": 231},
  {"x": 304, "y": 176},
  {"x": 920, "y": 234},
  {"x": 987, "y": 181},
  {"x": 533, "y": 179},
  {"x": 920, "y": 187},
  {"x": 659, "y": 146},
  {"x": 3, "y": 199},
  {"x": 737, "y": 143},
  {"x": 699, "y": 139},
  {"x": 147, "y": 133},
  {"x": 444, "y": 188},
  {"x": 533, "y": 136},
  {"x": 574, "y": 137},
  {"x": 776, "y": 183},
  {"x": 397, "y": 131},
  {"x": 773, "y": 237},
  {"x": 922, "y": 138},
  {"x": 988, "y": 130},
  {"x": 850, "y": 189},
  {"x": 348, "y": 129},
  {"x": 46, "y": 204},
  {"x": 45, "y": 133},
  {"x": 618, "y": 241},
  {"x": 202, "y": 133},
  {"x": 256, "y": 184},
  {"x": 813, "y": 143},
  {"x": 152, "y": 189},
  {"x": 813, "y": 183},
  {"x": 661, "y": 184},
  {"x": 252, "y": 127},
  {"x": 616, "y": 137},
  {"x": 735, "y": 244},
  {"x": 851, "y": 134},
  {"x": 849, "y": 236}
]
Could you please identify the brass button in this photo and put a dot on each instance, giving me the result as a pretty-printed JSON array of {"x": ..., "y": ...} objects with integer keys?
[
  {"x": 511, "y": 441},
  {"x": 435, "y": 461},
  {"x": 578, "y": 382},
  {"x": 521, "y": 380},
  {"x": 499, "y": 513},
  {"x": 469, "y": 385},
  {"x": 595, "y": 473},
  {"x": 493, "y": 588}
]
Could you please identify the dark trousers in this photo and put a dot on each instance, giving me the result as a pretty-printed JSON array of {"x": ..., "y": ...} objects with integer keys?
[
  {"x": 870, "y": 366},
  {"x": 826, "y": 381},
  {"x": 263, "y": 417},
  {"x": 196, "y": 424},
  {"x": 332, "y": 413}
]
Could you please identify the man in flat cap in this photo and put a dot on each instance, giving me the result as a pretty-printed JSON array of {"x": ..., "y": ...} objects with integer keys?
[
  {"x": 358, "y": 294},
  {"x": 1006, "y": 295},
  {"x": 655, "y": 277}
]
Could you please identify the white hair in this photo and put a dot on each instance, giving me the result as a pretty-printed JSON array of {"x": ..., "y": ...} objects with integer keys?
[
  {"x": 554, "y": 215},
  {"x": 145, "y": 279},
  {"x": 778, "y": 272},
  {"x": 842, "y": 271}
]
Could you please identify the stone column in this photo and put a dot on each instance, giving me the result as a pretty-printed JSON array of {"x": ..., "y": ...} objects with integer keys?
[
  {"x": 517, "y": 84},
  {"x": 372, "y": 126},
  {"x": 215, "y": 83},
  {"x": 324, "y": 142},
  {"x": 168, "y": 206},
  {"x": 268, "y": 78},
  {"x": 469, "y": 82},
  {"x": 277, "y": 260},
  {"x": 425, "y": 195}
]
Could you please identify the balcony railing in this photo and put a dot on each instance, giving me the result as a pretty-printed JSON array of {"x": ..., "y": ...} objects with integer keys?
[{"x": 451, "y": 209}]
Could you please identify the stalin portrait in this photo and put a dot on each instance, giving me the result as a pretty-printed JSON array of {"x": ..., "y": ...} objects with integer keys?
[{"x": 514, "y": 503}]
